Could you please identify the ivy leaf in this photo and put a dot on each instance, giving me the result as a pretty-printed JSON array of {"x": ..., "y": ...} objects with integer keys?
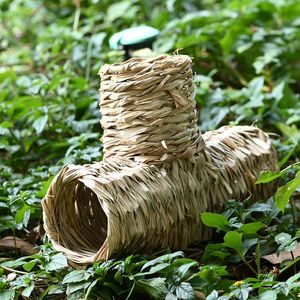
[
  {"x": 185, "y": 291},
  {"x": 283, "y": 238},
  {"x": 277, "y": 92},
  {"x": 286, "y": 242},
  {"x": 285, "y": 192},
  {"x": 57, "y": 261},
  {"x": 40, "y": 123}
]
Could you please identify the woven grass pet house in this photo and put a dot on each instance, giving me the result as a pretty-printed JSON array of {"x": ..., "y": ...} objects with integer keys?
[{"x": 159, "y": 172}]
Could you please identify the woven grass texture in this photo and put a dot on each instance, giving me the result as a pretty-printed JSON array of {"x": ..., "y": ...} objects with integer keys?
[
  {"x": 159, "y": 171},
  {"x": 148, "y": 110}
]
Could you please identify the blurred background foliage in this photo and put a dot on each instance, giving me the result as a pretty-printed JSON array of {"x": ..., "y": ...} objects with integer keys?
[{"x": 245, "y": 58}]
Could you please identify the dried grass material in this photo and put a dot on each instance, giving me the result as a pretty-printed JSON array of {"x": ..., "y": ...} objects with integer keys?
[
  {"x": 148, "y": 109},
  {"x": 107, "y": 209},
  {"x": 122, "y": 205}
]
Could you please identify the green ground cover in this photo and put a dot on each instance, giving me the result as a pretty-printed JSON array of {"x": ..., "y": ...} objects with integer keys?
[{"x": 246, "y": 57}]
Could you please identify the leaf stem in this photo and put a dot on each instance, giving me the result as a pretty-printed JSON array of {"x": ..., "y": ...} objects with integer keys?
[
  {"x": 77, "y": 15},
  {"x": 131, "y": 290},
  {"x": 293, "y": 214},
  {"x": 14, "y": 271},
  {"x": 249, "y": 266}
]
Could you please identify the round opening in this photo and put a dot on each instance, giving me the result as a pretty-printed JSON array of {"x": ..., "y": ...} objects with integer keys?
[{"x": 82, "y": 223}]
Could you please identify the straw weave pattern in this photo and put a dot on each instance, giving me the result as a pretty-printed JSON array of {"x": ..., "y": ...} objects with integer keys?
[
  {"x": 148, "y": 110},
  {"x": 131, "y": 203}
]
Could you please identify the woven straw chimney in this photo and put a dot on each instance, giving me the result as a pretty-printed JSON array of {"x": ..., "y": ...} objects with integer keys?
[{"x": 159, "y": 172}]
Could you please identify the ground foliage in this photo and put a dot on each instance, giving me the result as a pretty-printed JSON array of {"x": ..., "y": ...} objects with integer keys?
[{"x": 246, "y": 57}]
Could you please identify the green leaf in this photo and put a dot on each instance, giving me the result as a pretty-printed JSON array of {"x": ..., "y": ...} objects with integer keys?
[
  {"x": 27, "y": 291},
  {"x": 214, "y": 250},
  {"x": 40, "y": 123},
  {"x": 270, "y": 55},
  {"x": 290, "y": 264},
  {"x": 76, "y": 276},
  {"x": 267, "y": 176},
  {"x": 286, "y": 241},
  {"x": 283, "y": 238},
  {"x": 233, "y": 240},
  {"x": 7, "y": 295},
  {"x": 44, "y": 187},
  {"x": 277, "y": 92},
  {"x": 23, "y": 215},
  {"x": 57, "y": 289},
  {"x": 157, "y": 268},
  {"x": 57, "y": 261},
  {"x": 91, "y": 286},
  {"x": 185, "y": 291},
  {"x": 254, "y": 93},
  {"x": 285, "y": 192},
  {"x": 213, "y": 295},
  {"x": 251, "y": 228},
  {"x": 79, "y": 294},
  {"x": 268, "y": 295},
  {"x": 215, "y": 220},
  {"x": 163, "y": 259},
  {"x": 230, "y": 38},
  {"x": 247, "y": 244},
  {"x": 171, "y": 296},
  {"x": 30, "y": 265},
  {"x": 118, "y": 10},
  {"x": 183, "y": 270},
  {"x": 293, "y": 278},
  {"x": 154, "y": 287},
  {"x": 78, "y": 286}
]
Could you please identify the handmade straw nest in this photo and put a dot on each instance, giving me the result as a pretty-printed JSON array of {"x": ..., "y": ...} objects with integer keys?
[{"x": 159, "y": 172}]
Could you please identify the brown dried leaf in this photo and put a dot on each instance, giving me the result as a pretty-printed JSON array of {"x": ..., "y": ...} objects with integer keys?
[
  {"x": 9, "y": 242},
  {"x": 283, "y": 256},
  {"x": 199, "y": 295}
]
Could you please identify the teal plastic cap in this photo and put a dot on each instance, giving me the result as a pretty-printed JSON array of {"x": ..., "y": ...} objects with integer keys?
[{"x": 133, "y": 36}]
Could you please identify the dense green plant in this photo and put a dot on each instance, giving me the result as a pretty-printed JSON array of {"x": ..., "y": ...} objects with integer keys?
[{"x": 246, "y": 61}]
